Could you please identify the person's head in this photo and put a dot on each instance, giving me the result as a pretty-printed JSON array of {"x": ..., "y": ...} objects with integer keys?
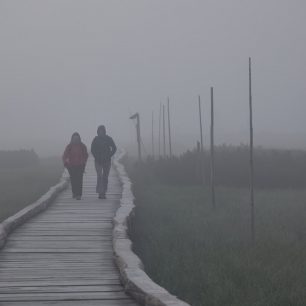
[
  {"x": 75, "y": 138},
  {"x": 101, "y": 130}
]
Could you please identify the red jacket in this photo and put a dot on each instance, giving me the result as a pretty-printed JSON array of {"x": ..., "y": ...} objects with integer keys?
[{"x": 75, "y": 155}]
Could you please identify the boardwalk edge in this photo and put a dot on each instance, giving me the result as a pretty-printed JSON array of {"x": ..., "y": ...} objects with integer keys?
[
  {"x": 136, "y": 282},
  {"x": 12, "y": 222}
]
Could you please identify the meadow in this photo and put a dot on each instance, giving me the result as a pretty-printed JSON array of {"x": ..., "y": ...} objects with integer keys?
[
  {"x": 205, "y": 256},
  {"x": 22, "y": 183}
]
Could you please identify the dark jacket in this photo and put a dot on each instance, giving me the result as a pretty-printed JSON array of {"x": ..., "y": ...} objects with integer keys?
[{"x": 103, "y": 148}]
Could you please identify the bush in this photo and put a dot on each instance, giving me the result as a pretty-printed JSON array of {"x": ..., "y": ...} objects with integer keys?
[{"x": 17, "y": 159}]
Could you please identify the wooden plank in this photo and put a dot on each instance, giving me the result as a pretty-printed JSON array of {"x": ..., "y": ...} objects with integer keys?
[
  {"x": 16, "y": 244},
  {"x": 61, "y": 283},
  {"x": 74, "y": 303},
  {"x": 68, "y": 226},
  {"x": 60, "y": 289},
  {"x": 51, "y": 256},
  {"x": 96, "y": 232},
  {"x": 64, "y": 237},
  {"x": 70, "y": 296},
  {"x": 62, "y": 250},
  {"x": 64, "y": 277}
]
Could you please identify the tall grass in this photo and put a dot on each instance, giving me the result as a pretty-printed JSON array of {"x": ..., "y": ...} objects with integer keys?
[
  {"x": 206, "y": 258},
  {"x": 273, "y": 168},
  {"x": 20, "y": 186}
]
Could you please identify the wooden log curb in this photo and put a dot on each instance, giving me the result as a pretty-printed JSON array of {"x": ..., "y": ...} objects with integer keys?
[
  {"x": 11, "y": 223},
  {"x": 135, "y": 281}
]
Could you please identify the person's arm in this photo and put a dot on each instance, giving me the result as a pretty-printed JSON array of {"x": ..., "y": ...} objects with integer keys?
[
  {"x": 65, "y": 156},
  {"x": 113, "y": 147},
  {"x": 85, "y": 156},
  {"x": 85, "y": 153},
  {"x": 94, "y": 148}
]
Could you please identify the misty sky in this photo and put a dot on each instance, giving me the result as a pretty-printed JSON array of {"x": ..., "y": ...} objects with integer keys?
[{"x": 70, "y": 65}]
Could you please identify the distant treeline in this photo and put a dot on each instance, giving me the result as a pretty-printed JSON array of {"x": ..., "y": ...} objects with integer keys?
[
  {"x": 273, "y": 168},
  {"x": 17, "y": 159}
]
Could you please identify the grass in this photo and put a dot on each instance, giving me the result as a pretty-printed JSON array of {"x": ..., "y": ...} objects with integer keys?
[
  {"x": 205, "y": 256},
  {"x": 22, "y": 186}
]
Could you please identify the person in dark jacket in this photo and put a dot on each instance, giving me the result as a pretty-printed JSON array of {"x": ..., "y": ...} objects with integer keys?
[
  {"x": 102, "y": 149},
  {"x": 74, "y": 159}
]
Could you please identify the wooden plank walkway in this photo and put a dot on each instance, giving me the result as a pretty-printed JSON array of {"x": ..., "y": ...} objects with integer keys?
[{"x": 64, "y": 255}]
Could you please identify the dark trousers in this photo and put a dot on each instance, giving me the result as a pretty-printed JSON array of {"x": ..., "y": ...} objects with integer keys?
[
  {"x": 103, "y": 170},
  {"x": 76, "y": 179}
]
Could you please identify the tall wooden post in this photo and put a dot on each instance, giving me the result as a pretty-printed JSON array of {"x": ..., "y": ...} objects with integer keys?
[
  {"x": 201, "y": 152},
  {"x": 201, "y": 129},
  {"x": 153, "y": 147},
  {"x": 159, "y": 130},
  {"x": 212, "y": 150},
  {"x": 139, "y": 138},
  {"x": 251, "y": 155},
  {"x": 164, "y": 131},
  {"x": 136, "y": 116},
  {"x": 199, "y": 168},
  {"x": 169, "y": 129}
]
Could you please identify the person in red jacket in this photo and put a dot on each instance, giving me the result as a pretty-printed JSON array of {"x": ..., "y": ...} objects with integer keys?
[{"x": 75, "y": 158}]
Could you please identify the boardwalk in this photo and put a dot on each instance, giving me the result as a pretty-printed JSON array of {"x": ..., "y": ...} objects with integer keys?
[{"x": 64, "y": 255}]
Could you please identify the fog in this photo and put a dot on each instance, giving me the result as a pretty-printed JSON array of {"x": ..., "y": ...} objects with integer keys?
[{"x": 70, "y": 65}]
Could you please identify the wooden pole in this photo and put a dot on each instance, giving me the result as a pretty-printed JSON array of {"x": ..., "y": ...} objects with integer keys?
[
  {"x": 169, "y": 129},
  {"x": 199, "y": 169},
  {"x": 201, "y": 129},
  {"x": 201, "y": 152},
  {"x": 212, "y": 150},
  {"x": 159, "y": 130},
  {"x": 164, "y": 131},
  {"x": 136, "y": 116},
  {"x": 153, "y": 149},
  {"x": 139, "y": 138},
  {"x": 251, "y": 155}
]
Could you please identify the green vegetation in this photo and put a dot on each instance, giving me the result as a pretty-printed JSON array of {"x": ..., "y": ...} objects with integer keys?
[
  {"x": 18, "y": 159},
  {"x": 22, "y": 185},
  {"x": 273, "y": 168},
  {"x": 205, "y": 257}
]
